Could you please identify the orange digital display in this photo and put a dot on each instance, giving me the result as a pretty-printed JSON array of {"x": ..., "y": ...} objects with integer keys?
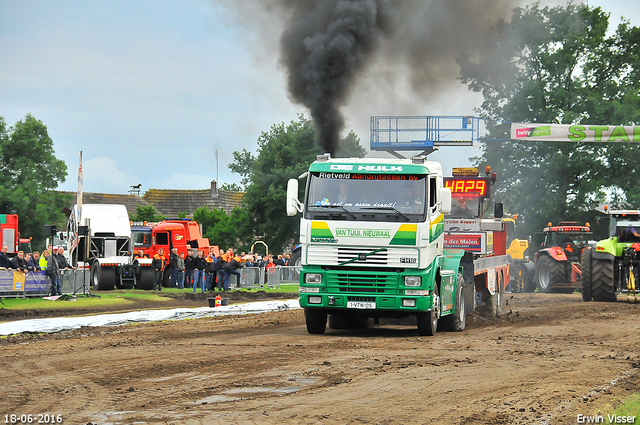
[{"x": 462, "y": 185}]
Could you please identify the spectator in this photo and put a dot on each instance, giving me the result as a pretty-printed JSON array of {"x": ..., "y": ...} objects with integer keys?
[
  {"x": 270, "y": 264},
  {"x": 34, "y": 262},
  {"x": 220, "y": 263},
  {"x": 158, "y": 269},
  {"x": 180, "y": 268},
  {"x": 230, "y": 268},
  {"x": 250, "y": 261},
  {"x": 173, "y": 267},
  {"x": 19, "y": 263},
  {"x": 53, "y": 271},
  {"x": 210, "y": 271},
  {"x": 188, "y": 268},
  {"x": 5, "y": 263},
  {"x": 200, "y": 265},
  {"x": 43, "y": 260},
  {"x": 63, "y": 264},
  {"x": 279, "y": 261}
]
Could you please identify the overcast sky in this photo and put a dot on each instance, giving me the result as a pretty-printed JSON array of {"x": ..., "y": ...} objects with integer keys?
[{"x": 149, "y": 90}]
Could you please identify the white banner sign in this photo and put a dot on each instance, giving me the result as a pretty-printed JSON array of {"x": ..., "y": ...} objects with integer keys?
[{"x": 574, "y": 133}]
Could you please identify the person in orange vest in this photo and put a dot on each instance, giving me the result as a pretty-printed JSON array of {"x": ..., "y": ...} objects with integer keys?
[{"x": 158, "y": 267}]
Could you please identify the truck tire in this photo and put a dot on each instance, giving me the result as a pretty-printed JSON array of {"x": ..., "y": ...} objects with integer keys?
[
  {"x": 518, "y": 278},
  {"x": 296, "y": 258},
  {"x": 145, "y": 280},
  {"x": 585, "y": 268},
  {"x": 428, "y": 321},
  {"x": 497, "y": 299},
  {"x": 102, "y": 278},
  {"x": 316, "y": 320},
  {"x": 337, "y": 321},
  {"x": 457, "y": 321},
  {"x": 550, "y": 272},
  {"x": 602, "y": 287}
]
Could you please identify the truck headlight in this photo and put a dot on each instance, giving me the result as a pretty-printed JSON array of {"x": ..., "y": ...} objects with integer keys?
[
  {"x": 313, "y": 278},
  {"x": 314, "y": 299},
  {"x": 408, "y": 303},
  {"x": 412, "y": 280}
]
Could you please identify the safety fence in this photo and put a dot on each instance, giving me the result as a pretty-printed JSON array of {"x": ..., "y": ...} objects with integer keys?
[
  {"x": 19, "y": 284},
  {"x": 274, "y": 277}
]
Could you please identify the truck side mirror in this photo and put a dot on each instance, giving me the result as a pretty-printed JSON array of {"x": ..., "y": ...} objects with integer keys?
[
  {"x": 498, "y": 210},
  {"x": 292, "y": 197},
  {"x": 444, "y": 196}
]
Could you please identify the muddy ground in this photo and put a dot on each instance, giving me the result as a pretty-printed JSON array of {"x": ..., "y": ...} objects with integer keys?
[{"x": 551, "y": 358}]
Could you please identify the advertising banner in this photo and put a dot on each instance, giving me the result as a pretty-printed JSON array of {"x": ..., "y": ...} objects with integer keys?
[{"x": 537, "y": 132}]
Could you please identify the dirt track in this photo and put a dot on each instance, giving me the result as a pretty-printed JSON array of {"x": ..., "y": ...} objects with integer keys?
[{"x": 552, "y": 358}]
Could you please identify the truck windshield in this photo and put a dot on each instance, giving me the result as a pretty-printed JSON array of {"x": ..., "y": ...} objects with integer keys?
[
  {"x": 369, "y": 197},
  {"x": 465, "y": 205}
]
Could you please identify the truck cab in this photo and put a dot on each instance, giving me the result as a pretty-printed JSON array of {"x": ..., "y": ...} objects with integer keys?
[{"x": 371, "y": 239}]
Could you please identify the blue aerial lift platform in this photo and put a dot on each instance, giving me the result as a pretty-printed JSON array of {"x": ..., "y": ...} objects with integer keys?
[{"x": 412, "y": 133}]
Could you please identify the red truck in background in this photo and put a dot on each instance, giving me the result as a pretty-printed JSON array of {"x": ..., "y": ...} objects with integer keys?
[
  {"x": 9, "y": 234},
  {"x": 182, "y": 234}
]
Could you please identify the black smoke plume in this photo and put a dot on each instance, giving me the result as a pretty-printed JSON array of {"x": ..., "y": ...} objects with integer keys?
[{"x": 326, "y": 45}]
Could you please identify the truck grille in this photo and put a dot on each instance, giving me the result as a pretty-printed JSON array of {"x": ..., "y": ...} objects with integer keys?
[
  {"x": 360, "y": 282},
  {"x": 328, "y": 255}
]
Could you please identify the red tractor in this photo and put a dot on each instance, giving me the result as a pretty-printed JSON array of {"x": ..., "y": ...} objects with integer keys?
[{"x": 558, "y": 260}]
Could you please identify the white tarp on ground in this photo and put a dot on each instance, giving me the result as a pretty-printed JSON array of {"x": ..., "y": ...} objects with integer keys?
[{"x": 60, "y": 324}]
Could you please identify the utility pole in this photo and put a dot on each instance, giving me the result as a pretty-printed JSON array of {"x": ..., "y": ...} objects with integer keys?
[{"x": 217, "y": 168}]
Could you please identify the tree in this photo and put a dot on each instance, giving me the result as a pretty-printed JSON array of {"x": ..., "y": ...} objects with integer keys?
[
  {"x": 284, "y": 152},
  {"x": 231, "y": 187},
  {"x": 234, "y": 230},
  {"x": 557, "y": 65},
  {"x": 29, "y": 173},
  {"x": 146, "y": 213}
]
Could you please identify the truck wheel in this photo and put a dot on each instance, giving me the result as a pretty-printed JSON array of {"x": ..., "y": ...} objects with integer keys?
[
  {"x": 585, "y": 268},
  {"x": 337, "y": 321},
  {"x": 428, "y": 322},
  {"x": 102, "y": 278},
  {"x": 456, "y": 322},
  {"x": 316, "y": 320},
  {"x": 602, "y": 288},
  {"x": 550, "y": 272},
  {"x": 145, "y": 280},
  {"x": 518, "y": 278},
  {"x": 296, "y": 258}
]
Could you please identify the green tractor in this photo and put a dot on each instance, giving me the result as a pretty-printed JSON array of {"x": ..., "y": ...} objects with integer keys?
[{"x": 612, "y": 265}]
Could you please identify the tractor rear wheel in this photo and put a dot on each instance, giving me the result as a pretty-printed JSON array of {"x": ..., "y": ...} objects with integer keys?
[
  {"x": 602, "y": 287},
  {"x": 550, "y": 272},
  {"x": 585, "y": 268}
]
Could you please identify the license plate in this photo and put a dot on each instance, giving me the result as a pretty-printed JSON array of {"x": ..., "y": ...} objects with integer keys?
[{"x": 361, "y": 305}]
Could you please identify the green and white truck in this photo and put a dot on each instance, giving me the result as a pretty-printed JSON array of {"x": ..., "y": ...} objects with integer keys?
[{"x": 372, "y": 235}]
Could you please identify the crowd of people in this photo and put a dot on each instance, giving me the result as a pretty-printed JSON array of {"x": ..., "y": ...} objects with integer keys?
[
  {"x": 195, "y": 270},
  {"x": 52, "y": 261},
  {"x": 207, "y": 272}
]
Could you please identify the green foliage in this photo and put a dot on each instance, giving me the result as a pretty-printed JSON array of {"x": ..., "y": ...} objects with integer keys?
[
  {"x": 234, "y": 230},
  {"x": 147, "y": 213},
  {"x": 231, "y": 187},
  {"x": 558, "y": 65},
  {"x": 182, "y": 214},
  {"x": 29, "y": 173},
  {"x": 284, "y": 152}
]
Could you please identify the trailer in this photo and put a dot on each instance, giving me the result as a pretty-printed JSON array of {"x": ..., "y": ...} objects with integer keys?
[{"x": 485, "y": 262}]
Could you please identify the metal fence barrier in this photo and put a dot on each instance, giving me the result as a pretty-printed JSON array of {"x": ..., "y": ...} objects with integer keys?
[
  {"x": 17, "y": 284},
  {"x": 258, "y": 277}
]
